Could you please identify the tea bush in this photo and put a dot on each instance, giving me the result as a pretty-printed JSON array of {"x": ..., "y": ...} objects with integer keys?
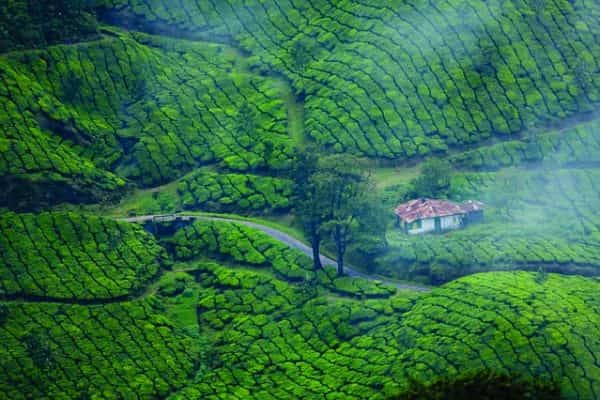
[
  {"x": 239, "y": 193},
  {"x": 76, "y": 257}
]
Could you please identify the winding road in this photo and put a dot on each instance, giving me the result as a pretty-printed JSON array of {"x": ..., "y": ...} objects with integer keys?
[{"x": 280, "y": 236}]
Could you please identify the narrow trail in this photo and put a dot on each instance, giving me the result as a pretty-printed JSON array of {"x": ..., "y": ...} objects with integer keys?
[{"x": 284, "y": 238}]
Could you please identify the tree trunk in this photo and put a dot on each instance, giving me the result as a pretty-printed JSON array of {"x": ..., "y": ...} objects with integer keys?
[
  {"x": 316, "y": 244},
  {"x": 340, "y": 263},
  {"x": 340, "y": 246}
]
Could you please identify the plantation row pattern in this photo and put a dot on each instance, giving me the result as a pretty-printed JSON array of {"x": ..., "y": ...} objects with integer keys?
[
  {"x": 262, "y": 333},
  {"x": 66, "y": 256},
  {"x": 579, "y": 145},
  {"x": 540, "y": 218},
  {"x": 116, "y": 351},
  {"x": 144, "y": 107},
  {"x": 239, "y": 193},
  {"x": 251, "y": 247},
  {"x": 275, "y": 340},
  {"x": 409, "y": 79}
]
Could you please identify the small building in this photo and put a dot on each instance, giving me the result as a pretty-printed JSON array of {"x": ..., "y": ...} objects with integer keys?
[{"x": 429, "y": 215}]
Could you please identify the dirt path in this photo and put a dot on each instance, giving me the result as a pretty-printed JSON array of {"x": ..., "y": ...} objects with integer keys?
[{"x": 290, "y": 241}]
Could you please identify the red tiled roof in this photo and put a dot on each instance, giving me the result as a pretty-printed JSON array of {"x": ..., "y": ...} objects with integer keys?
[{"x": 430, "y": 208}]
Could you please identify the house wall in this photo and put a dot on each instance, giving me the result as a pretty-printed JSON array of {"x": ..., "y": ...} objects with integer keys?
[
  {"x": 451, "y": 222},
  {"x": 428, "y": 225}
]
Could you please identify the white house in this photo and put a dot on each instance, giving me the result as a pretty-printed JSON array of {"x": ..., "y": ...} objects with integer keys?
[{"x": 429, "y": 215}]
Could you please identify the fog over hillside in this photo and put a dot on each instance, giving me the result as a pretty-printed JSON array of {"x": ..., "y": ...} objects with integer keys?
[{"x": 281, "y": 199}]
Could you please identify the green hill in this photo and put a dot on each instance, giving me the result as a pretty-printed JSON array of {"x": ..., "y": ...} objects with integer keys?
[
  {"x": 408, "y": 79},
  {"x": 241, "y": 326},
  {"x": 130, "y": 108}
]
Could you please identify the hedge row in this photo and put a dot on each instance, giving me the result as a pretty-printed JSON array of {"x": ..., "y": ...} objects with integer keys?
[
  {"x": 579, "y": 145},
  {"x": 542, "y": 217},
  {"x": 147, "y": 108},
  {"x": 240, "y": 244},
  {"x": 521, "y": 323},
  {"x": 70, "y": 256},
  {"x": 274, "y": 340},
  {"x": 407, "y": 80},
  {"x": 116, "y": 351},
  {"x": 239, "y": 193}
]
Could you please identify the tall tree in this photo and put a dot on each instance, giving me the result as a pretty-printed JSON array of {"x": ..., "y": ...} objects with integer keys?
[
  {"x": 334, "y": 197},
  {"x": 345, "y": 185},
  {"x": 309, "y": 203}
]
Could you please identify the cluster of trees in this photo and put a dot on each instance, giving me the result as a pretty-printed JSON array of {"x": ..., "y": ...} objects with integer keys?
[
  {"x": 334, "y": 196},
  {"x": 33, "y": 23}
]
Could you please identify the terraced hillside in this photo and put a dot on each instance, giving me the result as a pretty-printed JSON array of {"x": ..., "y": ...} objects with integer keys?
[
  {"x": 132, "y": 105},
  {"x": 227, "y": 320},
  {"x": 133, "y": 108},
  {"x": 411, "y": 78}
]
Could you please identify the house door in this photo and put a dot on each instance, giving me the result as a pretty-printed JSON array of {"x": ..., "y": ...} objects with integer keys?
[{"x": 438, "y": 224}]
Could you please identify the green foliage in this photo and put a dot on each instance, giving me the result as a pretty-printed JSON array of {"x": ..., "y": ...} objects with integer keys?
[
  {"x": 146, "y": 108},
  {"x": 434, "y": 181},
  {"x": 485, "y": 386},
  {"x": 124, "y": 350},
  {"x": 540, "y": 217},
  {"x": 31, "y": 23},
  {"x": 237, "y": 243},
  {"x": 578, "y": 145},
  {"x": 70, "y": 256},
  {"x": 240, "y": 193},
  {"x": 404, "y": 80}
]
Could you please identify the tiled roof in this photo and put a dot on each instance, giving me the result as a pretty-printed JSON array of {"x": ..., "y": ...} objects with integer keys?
[{"x": 430, "y": 208}]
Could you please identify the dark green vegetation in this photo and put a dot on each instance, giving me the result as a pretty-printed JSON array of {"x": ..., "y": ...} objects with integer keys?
[
  {"x": 540, "y": 217},
  {"x": 212, "y": 191},
  {"x": 237, "y": 107},
  {"x": 412, "y": 78},
  {"x": 227, "y": 320},
  {"x": 32, "y": 23},
  {"x": 131, "y": 105},
  {"x": 70, "y": 256}
]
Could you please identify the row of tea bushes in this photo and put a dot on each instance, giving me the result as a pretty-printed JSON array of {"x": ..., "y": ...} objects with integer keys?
[
  {"x": 240, "y": 244},
  {"x": 523, "y": 324},
  {"x": 543, "y": 217},
  {"x": 407, "y": 80},
  {"x": 579, "y": 145},
  {"x": 114, "y": 351},
  {"x": 75, "y": 257},
  {"x": 274, "y": 339},
  {"x": 145, "y": 107},
  {"x": 239, "y": 193}
]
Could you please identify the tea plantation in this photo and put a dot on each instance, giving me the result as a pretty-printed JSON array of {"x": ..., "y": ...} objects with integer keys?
[
  {"x": 225, "y": 320},
  {"x": 407, "y": 79},
  {"x": 115, "y": 114}
]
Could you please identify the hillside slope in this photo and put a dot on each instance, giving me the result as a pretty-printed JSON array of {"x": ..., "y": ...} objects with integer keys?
[
  {"x": 407, "y": 79},
  {"x": 239, "y": 316}
]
